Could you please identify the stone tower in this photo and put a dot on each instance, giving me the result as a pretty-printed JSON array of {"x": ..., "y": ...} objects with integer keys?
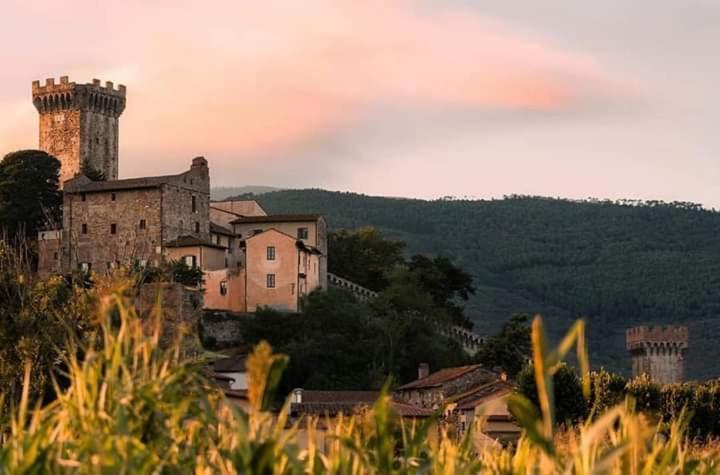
[
  {"x": 658, "y": 352},
  {"x": 79, "y": 123}
]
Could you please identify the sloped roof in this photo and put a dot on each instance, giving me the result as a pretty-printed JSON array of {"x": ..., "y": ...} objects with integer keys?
[
  {"x": 218, "y": 229},
  {"x": 441, "y": 377},
  {"x": 481, "y": 394},
  {"x": 191, "y": 241},
  {"x": 277, "y": 218},
  {"x": 232, "y": 364},
  {"x": 83, "y": 184}
]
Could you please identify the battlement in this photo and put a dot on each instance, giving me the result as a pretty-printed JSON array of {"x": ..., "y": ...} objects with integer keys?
[
  {"x": 643, "y": 336},
  {"x": 66, "y": 95},
  {"x": 65, "y": 85}
]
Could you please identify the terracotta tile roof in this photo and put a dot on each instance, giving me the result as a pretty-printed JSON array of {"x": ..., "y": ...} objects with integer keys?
[
  {"x": 191, "y": 241},
  {"x": 443, "y": 376},
  {"x": 277, "y": 218},
  {"x": 218, "y": 229},
  {"x": 481, "y": 394},
  {"x": 408, "y": 410}
]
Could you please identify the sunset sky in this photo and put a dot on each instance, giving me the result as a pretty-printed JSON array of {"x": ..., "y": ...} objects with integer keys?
[{"x": 418, "y": 98}]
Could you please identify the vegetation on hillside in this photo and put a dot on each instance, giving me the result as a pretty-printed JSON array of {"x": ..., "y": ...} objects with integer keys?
[
  {"x": 131, "y": 405},
  {"x": 616, "y": 263}
]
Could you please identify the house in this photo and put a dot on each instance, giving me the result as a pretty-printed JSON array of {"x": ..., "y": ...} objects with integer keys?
[
  {"x": 433, "y": 390},
  {"x": 486, "y": 406},
  {"x": 467, "y": 395},
  {"x": 311, "y": 229}
]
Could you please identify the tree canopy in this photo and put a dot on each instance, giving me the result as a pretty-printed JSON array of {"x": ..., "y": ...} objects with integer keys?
[{"x": 29, "y": 194}]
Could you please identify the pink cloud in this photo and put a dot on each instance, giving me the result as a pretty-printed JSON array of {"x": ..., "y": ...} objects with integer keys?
[{"x": 253, "y": 77}]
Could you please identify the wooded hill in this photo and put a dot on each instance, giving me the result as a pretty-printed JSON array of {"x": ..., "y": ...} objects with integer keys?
[{"x": 618, "y": 264}]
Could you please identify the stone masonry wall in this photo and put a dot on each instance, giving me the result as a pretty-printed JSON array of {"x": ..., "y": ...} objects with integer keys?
[
  {"x": 178, "y": 217},
  {"x": 182, "y": 309},
  {"x": 98, "y": 212}
]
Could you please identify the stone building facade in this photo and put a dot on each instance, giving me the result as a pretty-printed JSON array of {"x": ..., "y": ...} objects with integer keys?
[
  {"x": 658, "y": 351},
  {"x": 80, "y": 123},
  {"x": 131, "y": 222}
]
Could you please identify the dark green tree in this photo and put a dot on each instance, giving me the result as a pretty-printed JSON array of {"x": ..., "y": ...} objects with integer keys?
[
  {"x": 510, "y": 348},
  {"x": 340, "y": 343},
  {"x": 570, "y": 404},
  {"x": 29, "y": 194},
  {"x": 363, "y": 256}
]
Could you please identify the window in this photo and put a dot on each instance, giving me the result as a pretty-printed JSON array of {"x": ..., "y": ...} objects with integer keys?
[
  {"x": 83, "y": 196},
  {"x": 190, "y": 261},
  {"x": 271, "y": 281},
  {"x": 223, "y": 287},
  {"x": 256, "y": 231},
  {"x": 271, "y": 253},
  {"x": 55, "y": 255},
  {"x": 217, "y": 239},
  {"x": 85, "y": 266},
  {"x": 113, "y": 228},
  {"x": 142, "y": 224},
  {"x": 84, "y": 228},
  {"x": 194, "y": 204},
  {"x": 109, "y": 265},
  {"x": 302, "y": 233},
  {"x": 112, "y": 196},
  {"x": 197, "y": 226}
]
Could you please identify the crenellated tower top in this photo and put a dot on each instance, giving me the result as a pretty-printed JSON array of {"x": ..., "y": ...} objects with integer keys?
[
  {"x": 658, "y": 351},
  {"x": 70, "y": 95},
  {"x": 79, "y": 124}
]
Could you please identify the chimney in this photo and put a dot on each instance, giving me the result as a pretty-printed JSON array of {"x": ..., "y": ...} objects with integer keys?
[{"x": 423, "y": 370}]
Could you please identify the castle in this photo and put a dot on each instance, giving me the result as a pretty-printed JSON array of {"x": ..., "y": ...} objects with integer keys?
[{"x": 249, "y": 259}]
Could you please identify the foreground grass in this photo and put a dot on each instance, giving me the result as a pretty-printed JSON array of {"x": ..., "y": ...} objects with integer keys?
[{"x": 133, "y": 406}]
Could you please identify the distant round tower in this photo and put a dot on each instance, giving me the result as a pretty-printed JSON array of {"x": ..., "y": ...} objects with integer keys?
[
  {"x": 658, "y": 351},
  {"x": 79, "y": 123}
]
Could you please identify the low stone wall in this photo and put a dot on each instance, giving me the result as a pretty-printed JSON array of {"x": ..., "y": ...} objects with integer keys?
[{"x": 221, "y": 329}]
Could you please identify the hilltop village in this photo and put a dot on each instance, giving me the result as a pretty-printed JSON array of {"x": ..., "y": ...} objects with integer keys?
[{"x": 249, "y": 259}]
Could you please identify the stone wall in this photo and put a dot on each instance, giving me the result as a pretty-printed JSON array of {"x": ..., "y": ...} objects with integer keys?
[
  {"x": 221, "y": 329},
  {"x": 178, "y": 216},
  {"x": 182, "y": 310},
  {"x": 96, "y": 212}
]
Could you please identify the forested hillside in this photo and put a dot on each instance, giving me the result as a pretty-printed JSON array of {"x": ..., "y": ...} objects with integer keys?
[{"x": 617, "y": 263}]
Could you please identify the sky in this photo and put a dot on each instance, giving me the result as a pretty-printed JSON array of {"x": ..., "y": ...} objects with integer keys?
[{"x": 416, "y": 98}]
